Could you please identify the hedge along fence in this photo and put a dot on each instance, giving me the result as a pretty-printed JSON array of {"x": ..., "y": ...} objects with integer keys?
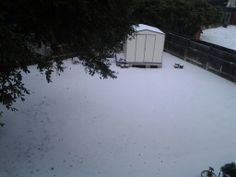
[{"x": 217, "y": 59}]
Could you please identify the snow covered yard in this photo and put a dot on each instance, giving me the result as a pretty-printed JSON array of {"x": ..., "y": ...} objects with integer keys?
[
  {"x": 225, "y": 37},
  {"x": 146, "y": 123}
]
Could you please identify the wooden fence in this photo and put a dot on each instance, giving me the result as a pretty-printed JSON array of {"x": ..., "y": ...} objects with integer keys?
[{"x": 217, "y": 59}]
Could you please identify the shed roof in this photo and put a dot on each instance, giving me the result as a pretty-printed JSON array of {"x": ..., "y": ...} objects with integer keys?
[{"x": 141, "y": 27}]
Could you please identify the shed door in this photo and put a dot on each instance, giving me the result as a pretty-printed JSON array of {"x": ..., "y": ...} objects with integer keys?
[
  {"x": 140, "y": 48},
  {"x": 150, "y": 47}
]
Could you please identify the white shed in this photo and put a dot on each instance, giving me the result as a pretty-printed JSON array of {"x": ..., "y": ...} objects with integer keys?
[{"x": 145, "y": 48}]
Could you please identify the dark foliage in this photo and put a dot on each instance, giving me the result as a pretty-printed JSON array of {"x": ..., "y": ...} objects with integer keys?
[
  {"x": 221, "y": 3},
  {"x": 179, "y": 16},
  {"x": 89, "y": 29}
]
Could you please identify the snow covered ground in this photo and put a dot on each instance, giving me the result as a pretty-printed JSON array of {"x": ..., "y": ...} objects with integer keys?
[
  {"x": 225, "y": 37},
  {"x": 146, "y": 123}
]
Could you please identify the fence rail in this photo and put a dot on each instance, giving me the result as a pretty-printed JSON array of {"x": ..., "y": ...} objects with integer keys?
[{"x": 220, "y": 60}]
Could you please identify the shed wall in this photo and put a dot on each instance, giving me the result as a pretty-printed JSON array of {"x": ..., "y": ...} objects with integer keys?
[{"x": 145, "y": 47}]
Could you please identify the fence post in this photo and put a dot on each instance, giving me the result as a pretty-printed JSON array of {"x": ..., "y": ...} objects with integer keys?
[
  {"x": 232, "y": 68},
  {"x": 208, "y": 58},
  {"x": 186, "y": 50}
]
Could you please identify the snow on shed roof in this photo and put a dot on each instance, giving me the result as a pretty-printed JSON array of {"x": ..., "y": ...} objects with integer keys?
[{"x": 141, "y": 27}]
